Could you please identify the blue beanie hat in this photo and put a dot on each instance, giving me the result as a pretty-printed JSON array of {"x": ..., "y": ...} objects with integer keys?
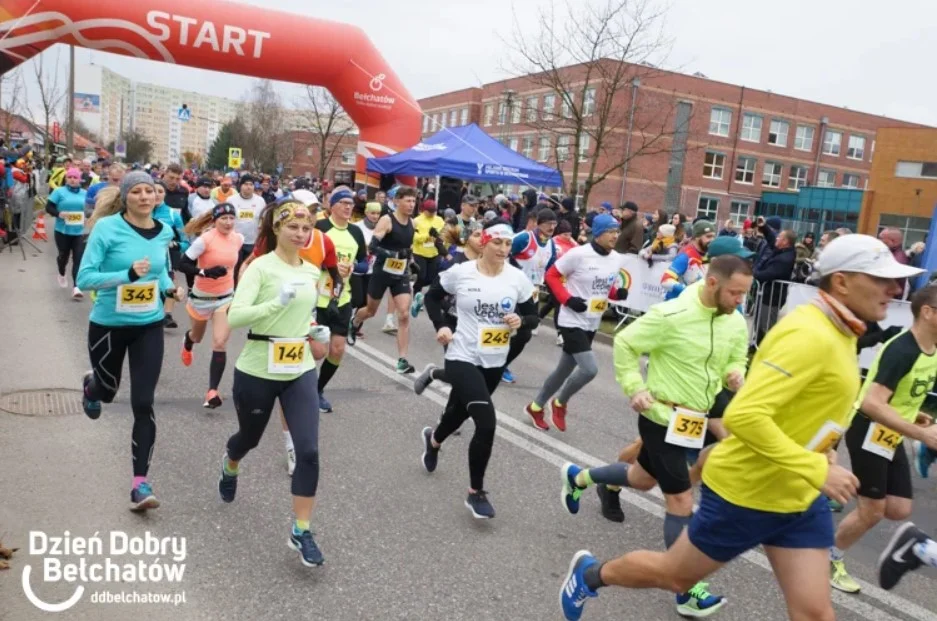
[
  {"x": 603, "y": 223},
  {"x": 339, "y": 195}
]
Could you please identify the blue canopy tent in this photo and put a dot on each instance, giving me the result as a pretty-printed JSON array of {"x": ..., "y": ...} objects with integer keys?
[{"x": 466, "y": 153}]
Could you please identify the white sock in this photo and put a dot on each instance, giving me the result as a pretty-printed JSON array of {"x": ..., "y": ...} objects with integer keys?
[
  {"x": 836, "y": 554},
  {"x": 927, "y": 552},
  {"x": 288, "y": 440}
]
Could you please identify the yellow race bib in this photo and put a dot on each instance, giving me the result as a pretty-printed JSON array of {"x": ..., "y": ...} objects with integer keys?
[
  {"x": 494, "y": 338},
  {"x": 285, "y": 356},
  {"x": 137, "y": 298}
]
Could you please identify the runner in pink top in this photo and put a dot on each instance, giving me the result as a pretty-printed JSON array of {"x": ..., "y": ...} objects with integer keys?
[{"x": 211, "y": 258}]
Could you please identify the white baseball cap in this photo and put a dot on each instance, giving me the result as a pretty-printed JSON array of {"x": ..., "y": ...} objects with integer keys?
[
  {"x": 861, "y": 254},
  {"x": 306, "y": 197}
]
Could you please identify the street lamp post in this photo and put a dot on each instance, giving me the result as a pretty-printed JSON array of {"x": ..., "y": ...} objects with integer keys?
[{"x": 635, "y": 83}]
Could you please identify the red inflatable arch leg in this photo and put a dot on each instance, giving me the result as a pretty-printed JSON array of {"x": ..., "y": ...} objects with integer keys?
[{"x": 232, "y": 38}]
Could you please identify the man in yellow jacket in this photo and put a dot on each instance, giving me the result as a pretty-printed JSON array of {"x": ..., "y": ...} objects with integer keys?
[{"x": 427, "y": 227}]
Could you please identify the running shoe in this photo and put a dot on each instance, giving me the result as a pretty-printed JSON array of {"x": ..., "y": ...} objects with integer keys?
[
  {"x": 290, "y": 461},
  {"x": 325, "y": 406},
  {"x": 92, "y": 408},
  {"x": 898, "y": 556},
  {"x": 63, "y": 282},
  {"x": 571, "y": 492},
  {"x": 185, "y": 354},
  {"x": 424, "y": 379},
  {"x": 537, "y": 418},
  {"x": 416, "y": 305},
  {"x": 404, "y": 367},
  {"x": 559, "y": 340},
  {"x": 77, "y": 294},
  {"x": 835, "y": 506},
  {"x": 142, "y": 498},
  {"x": 477, "y": 503},
  {"x": 923, "y": 458},
  {"x": 169, "y": 322},
  {"x": 535, "y": 331},
  {"x": 309, "y": 551},
  {"x": 574, "y": 592},
  {"x": 699, "y": 602},
  {"x": 390, "y": 325},
  {"x": 228, "y": 483},
  {"x": 507, "y": 377},
  {"x": 840, "y": 578},
  {"x": 559, "y": 415},
  {"x": 212, "y": 400},
  {"x": 352, "y": 337},
  {"x": 430, "y": 452},
  {"x": 611, "y": 504}
]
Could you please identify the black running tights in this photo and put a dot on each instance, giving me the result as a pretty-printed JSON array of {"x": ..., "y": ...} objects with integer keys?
[
  {"x": 107, "y": 348},
  {"x": 69, "y": 245}
]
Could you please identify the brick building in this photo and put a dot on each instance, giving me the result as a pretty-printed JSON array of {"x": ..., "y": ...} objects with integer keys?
[
  {"x": 305, "y": 147},
  {"x": 700, "y": 146}
]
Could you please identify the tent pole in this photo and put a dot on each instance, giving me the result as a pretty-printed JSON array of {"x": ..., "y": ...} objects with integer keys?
[{"x": 436, "y": 198}]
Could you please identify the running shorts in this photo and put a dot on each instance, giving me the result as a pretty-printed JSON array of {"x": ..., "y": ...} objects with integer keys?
[
  {"x": 723, "y": 531},
  {"x": 667, "y": 463},
  {"x": 381, "y": 282},
  {"x": 337, "y": 322},
  {"x": 576, "y": 340},
  {"x": 877, "y": 476}
]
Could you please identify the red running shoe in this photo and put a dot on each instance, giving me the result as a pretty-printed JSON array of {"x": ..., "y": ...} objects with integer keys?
[
  {"x": 212, "y": 400},
  {"x": 537, "y": 419},
  {"x": 559, "y": 415},
  {"x": 186, "y": 354}
]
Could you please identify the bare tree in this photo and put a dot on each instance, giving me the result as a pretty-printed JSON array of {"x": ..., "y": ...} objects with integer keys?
[
  {"x": 263, "y": 113},
  {"x": 51, "y": 92},
  {"x": 327, "y": 123},
  {"x": 591, "y": 60},
  {"x": 12, "y": 101}
]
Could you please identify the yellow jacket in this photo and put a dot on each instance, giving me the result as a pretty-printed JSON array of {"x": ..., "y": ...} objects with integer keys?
[{"x": 423, "y": 244}]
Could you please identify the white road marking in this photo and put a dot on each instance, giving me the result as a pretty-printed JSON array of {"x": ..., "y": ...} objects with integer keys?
[{"x": 382, "y": 363}]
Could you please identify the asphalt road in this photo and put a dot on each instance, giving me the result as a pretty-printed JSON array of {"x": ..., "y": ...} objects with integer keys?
[{"x": 399, "y": 543}]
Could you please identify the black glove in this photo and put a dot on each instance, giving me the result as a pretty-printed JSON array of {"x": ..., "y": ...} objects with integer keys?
[
  {"x": 328, "y": 315},
  {"x": 576, "y": 304},
  {"x": 621, "y": 294},
  {"x": 216, "y": 271},
  {"x": 891, "y": 332},
  {"x": 433, "y": 232}
]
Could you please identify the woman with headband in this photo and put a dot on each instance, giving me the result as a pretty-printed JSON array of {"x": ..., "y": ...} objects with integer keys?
[
  {"x": 275, "y": 298},
  {"x": 210, "y": 259},
  {"x": 67, "y": 205},
  {"x": 492, "y": 300},
  {"x": 125, "y": 263}
]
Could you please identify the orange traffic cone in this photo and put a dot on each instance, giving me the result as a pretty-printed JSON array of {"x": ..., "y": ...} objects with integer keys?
[{"x": 39, "y": 228}]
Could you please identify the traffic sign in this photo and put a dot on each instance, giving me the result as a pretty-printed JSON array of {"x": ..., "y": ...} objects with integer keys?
[
  {"x": 234, "y": 157},
  {"x": 184, "y": 114},
  {"x": 120, "y": 149}
]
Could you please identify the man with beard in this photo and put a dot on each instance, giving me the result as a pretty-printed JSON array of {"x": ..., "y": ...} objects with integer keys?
[{"x": 687, "y": 268}]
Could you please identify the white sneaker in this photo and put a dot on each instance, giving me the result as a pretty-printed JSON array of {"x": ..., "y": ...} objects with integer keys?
[
  {"x": 63, "y": 282},
  {"x": 535, "y": 331},
  {"x": 77, "y": 294},
  {"x": 559, "y": 340},
  {"x": 390, "y": 324},
  {"x": 290, "y": 461}
]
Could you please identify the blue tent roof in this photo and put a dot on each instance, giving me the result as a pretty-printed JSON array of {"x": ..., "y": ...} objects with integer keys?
[{"x": 466, "y": 153}]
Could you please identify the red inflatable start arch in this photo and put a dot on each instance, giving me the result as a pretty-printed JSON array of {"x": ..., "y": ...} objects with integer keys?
[{"x": 232, "y": 38}]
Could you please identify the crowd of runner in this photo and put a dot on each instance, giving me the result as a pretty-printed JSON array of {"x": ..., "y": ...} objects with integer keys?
[{"x": 303, "y": 266}]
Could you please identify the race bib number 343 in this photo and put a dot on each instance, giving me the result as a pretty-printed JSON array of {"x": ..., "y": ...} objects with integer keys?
[
  {"x": 137, "y": 298},
  {"x": 286, "y": 356}
]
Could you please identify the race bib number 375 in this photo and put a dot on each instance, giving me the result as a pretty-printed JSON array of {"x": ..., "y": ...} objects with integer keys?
[{"x": 137, "y": 298}]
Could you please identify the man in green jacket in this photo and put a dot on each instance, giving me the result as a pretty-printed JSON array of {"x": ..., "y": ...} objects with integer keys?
[{"x": 697, "y": 343}]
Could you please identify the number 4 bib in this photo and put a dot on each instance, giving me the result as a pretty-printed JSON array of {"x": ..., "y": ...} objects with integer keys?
[{"x": 687, "y": 428}]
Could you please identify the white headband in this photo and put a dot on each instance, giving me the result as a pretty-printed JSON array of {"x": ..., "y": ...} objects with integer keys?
[{"x": 497, "y": 231}]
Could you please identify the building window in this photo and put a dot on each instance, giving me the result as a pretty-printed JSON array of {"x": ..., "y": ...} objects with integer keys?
[
  {"x": 425, "y": 123},
  {"x": 544, "y": 151},
  {"x": 745, "y": 170},
  {"x": 856, "y": 148},
  {"x": 738, "y": 211},
  {"x": 751, "y": 127},
  {"x": 489, "y": 114},
  {"x": 713, "y": 165},
  {"x": 308, "y": 151},
  {"x": 771, "y": 177},
  {"x": 464, "y": 117},
  {"x": 562, "y": 148},
  {"x": 803, "y": 140},
  {"x": 916, "y": 170},
  {"x": 850, "y": 181},
  {"x": 502, "y": 113},
  {"x": 826, "y": 179},
  {"x": 442, "y": 119},
  {"x": 719, "y": 121},
  {"x": 798, "y": 178},
  {"x": 513, "y": 144},
  {"x": 588, "y": 102},
  {"x": 566, "y": 109},
  {"x": 707, "y": 208},
  {"x": 913, "y": 228},
  {"x": 549, "y": 103},
  {"x": 832, "y": 142},
  {"x": 453, "y": 117},
  {"x": 348, "y": 157},
  {"x": 532, "y": 109},
  {"x": 585, "y": 142},
  {"x": 777, "y": 133},
  {"x": 515, "y": 112},
  {"x": 528, "y": 146}
]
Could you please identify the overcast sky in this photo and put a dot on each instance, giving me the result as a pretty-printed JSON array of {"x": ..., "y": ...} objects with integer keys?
[{"x": 841, "y": 52}]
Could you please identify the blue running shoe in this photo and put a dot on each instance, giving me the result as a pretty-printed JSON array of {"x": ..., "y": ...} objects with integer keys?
[
  {"x": 416, "y": 305},
  {"x": 507, "y": 377},
  {"x": 92, "y": 408},
  {"x": 324, "y": 405},
  {"x": 142, "y": 498},
  {"x": 478, "y": 504},
  {"x": 574, "y": 591},
  {"x": 699, "y": 602},
  {"x": 923, "y": 458},
  {"x": 309, "y": 551},
  {"x": 227, "y": 484},
  {"x": 571, "y": 492}
]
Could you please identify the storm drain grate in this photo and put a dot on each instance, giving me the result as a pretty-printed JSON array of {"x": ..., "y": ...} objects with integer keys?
[{"x": 43, "y": 402}]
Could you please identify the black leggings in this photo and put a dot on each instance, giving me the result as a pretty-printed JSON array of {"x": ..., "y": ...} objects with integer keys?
[
  {"x": 254, "y": 398},
  {"x": 246, "y": 251},
  {"x": 470, "y": 397},
  {"x": 144, "y": 344},
  {"x": 427, "y": 270},
  {"x": 551, "y": 304},
  {"x": 69, "y": 245}
]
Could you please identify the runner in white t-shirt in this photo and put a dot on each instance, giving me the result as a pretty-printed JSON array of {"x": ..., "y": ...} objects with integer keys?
[
  {"x": 492, "y": 300},
  {"x": 590, "y": 272},
  {"x": 249, "y": 207}
]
